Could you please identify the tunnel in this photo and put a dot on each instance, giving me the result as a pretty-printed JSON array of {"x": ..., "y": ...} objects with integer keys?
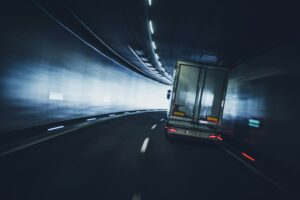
[{"x": 85, "y": 91}]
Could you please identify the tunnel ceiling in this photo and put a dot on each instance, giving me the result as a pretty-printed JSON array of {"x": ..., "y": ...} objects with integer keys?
[{"x": 217, "y": 32}]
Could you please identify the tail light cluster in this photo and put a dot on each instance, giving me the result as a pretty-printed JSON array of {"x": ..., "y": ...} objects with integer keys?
[
  {"x": 171, "y": 130},
  {"x": 211, "y": 136},
  {"x": 214, "y": 136}
]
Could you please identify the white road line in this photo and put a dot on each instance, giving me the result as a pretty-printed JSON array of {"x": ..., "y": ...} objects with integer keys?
[
  {"x": 50, "y": 136},
  {"x": 144, "y": 146},
  {"x": 136, "y": 197},
  {"x": 154, "y": 126},
  {"x": 55, "y": 128},
  {"x": 91, "y": 119},
  {"x": 162, "y": 119}
]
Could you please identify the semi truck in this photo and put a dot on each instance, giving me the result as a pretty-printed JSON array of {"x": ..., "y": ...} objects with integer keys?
[{"x": 197, "y": 101}]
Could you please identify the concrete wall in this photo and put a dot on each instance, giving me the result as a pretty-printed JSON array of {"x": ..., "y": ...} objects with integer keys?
[
  {"x": 262, "y": 106},
  {"x": 47, "y": 74}
]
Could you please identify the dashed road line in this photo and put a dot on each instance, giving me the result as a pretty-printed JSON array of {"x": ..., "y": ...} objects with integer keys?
[
  {"x": 162, "y": 119},
  {"x": 154, "y": 126},
  {"x": 55, "y": 128},
  {"x": 91, "y": 119},
  {"x": 144, "y": 146}
]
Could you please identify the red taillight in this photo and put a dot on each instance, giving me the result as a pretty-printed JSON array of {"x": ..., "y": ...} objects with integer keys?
[
  {"x": 220, "y": 138},
  {"x": 212, "y": 136},
  {"x": 171, "y": 130},
  {"x": 249, "y": 157}
]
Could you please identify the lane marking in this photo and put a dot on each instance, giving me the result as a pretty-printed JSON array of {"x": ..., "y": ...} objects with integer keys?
[
  {"x": 136, "y": 196},
  {"x": 162, "y": 119},
  {"x": 52, "y": 136},
  {"x": 29, "y": 144},
  {"x": 55, "y": 128},
  {"x": 91, "y": 119},
  {"x": 144, "y": 146},
  {"x": 154, "y": 126}
]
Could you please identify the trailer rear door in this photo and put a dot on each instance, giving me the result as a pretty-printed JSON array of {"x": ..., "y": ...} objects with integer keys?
[
  {"x": 213, "y": 95},
  {"x": 199, "y": 92},
  {"x": 186, "y": 91}
]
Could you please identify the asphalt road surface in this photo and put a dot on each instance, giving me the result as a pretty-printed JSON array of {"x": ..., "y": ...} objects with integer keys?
[{"x": 128, "y": 158}]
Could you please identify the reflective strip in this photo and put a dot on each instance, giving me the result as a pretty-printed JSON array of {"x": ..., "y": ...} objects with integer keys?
[
  {"x": 213, "y": 119},
  {"x": 181, "y": 114}
]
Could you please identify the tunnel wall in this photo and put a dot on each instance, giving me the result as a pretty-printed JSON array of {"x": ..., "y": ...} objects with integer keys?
[
  {"x": 261, "y": 111},
  {"x": 48, "y": 75}
]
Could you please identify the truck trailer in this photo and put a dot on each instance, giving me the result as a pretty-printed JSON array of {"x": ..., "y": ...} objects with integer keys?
[{"x": 197, "y": 101}]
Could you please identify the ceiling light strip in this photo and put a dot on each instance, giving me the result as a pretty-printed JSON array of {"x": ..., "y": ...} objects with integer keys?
[{"x": 151, "y": 27}]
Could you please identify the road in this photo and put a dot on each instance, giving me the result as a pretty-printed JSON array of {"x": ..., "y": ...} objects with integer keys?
[{"x": 128, "y": 158}]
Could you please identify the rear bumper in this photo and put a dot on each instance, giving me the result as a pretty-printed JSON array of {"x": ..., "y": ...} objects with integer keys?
[{"x": 172, "y": 130}]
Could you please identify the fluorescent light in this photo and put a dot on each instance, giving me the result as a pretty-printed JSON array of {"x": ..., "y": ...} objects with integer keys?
[
  {"x": 156, "y": 56},
  {"x": 150, "y": 2},
  {"x": 254, "y": 121},
  {"x": 56, "y": 96},
  {"x": 154, "y": 45},
  {"x": 254, "y": 125},
  {"x": 151, "y": 27},
  {"x": 159, "y": 64},
  {"x": 139, "y": 52},
  {"x": 144, "y": 59},
  {"x": 55, "y": 128}
]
